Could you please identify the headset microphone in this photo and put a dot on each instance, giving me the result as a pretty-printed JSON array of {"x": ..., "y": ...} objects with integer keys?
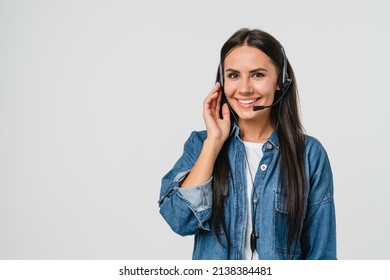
[
  {"x": 258, "y": 108},
  {"x": 284, "y": 83}
]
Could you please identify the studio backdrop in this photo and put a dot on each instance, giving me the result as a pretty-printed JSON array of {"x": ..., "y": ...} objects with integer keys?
[{"x": 98, "y": 97}]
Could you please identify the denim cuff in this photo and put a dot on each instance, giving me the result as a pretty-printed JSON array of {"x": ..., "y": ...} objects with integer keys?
[{"x": 200, "y": 197}]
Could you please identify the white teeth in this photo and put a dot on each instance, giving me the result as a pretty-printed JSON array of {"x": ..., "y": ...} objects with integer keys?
[{"x": 247, "y": 101}]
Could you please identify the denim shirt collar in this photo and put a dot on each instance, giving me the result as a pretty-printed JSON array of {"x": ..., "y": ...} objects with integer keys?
[{"x": 273, "y": 139}]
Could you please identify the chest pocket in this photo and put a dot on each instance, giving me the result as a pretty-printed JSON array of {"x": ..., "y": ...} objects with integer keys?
[{"x": 281, "y": 225}]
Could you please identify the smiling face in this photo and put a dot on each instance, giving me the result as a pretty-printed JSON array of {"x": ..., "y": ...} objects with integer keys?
[{"x": 251, "y": 79}]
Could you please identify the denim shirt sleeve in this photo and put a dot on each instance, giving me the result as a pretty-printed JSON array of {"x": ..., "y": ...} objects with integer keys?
[
  {"x": 319, "y": 228},
  {"x": 186, "y": 210}
]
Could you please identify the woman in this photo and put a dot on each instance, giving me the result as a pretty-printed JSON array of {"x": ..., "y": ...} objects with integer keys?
[{"x": 253, "y": 185}]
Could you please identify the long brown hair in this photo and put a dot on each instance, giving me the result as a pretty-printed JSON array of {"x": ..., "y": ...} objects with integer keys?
[{"x": 286, "y": 120}]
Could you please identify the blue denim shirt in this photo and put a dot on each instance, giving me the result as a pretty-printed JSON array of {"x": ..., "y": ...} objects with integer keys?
[{"x": 188, "y": 210}]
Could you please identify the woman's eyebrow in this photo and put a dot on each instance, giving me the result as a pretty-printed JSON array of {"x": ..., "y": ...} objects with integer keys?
[
  {"x": 258, "y": 69},
  {"x": 231, "y": 70},
  {"x": 251, "y": 71}
]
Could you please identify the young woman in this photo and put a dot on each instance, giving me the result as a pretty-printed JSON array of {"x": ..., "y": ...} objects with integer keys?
[{"x": 253, "y": 185}]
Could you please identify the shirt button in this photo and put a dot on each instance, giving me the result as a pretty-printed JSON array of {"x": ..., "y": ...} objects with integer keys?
[
  {"x": 269, "y": 146},
  {"x": 255, "y": 200},
  {"x": 263, "y": 167}
]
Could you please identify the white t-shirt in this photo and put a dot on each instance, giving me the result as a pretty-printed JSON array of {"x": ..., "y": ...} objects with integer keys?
[{"x": 254, "y": 153}]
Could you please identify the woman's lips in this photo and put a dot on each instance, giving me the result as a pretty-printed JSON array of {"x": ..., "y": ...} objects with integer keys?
[{"x": 247, "y": 103}]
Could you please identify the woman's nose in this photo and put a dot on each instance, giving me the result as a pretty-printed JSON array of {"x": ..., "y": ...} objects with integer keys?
[{"x": 245, "y": 87}]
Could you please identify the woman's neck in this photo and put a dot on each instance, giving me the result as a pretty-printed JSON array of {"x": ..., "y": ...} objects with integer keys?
[{"x": 255, "y": 131}]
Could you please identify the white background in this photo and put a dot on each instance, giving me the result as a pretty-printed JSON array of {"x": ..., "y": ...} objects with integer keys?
[{"x": 98, "y": 97}]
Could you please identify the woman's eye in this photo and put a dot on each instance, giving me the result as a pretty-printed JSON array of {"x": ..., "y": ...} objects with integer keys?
[
  {"x": 258, "y": 75},
  {"x": 233, "y": 76}
]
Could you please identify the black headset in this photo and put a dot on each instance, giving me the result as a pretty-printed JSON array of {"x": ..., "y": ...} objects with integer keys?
[{"x": 284, "y": 78}]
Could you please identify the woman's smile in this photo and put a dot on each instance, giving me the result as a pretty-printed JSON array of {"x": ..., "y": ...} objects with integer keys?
[{"x": 246, "y": 103}]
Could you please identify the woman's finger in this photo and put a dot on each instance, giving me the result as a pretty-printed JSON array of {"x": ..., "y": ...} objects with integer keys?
[{"x": 214, "y": 89}]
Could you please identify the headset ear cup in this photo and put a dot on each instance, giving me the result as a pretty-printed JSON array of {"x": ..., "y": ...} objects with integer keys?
[
  {"x": 287, "y": 83},
  {"x": 280, "y": 82},
  {"x": 284, "y": 80},
  {"x": 222, "y": 82},
  {"x": 284, "y": 84}
]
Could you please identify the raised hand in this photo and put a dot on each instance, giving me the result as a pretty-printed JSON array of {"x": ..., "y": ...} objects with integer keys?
[
  {"x": 217, "y": 132},
  {"x": 217, "y": 128}
]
